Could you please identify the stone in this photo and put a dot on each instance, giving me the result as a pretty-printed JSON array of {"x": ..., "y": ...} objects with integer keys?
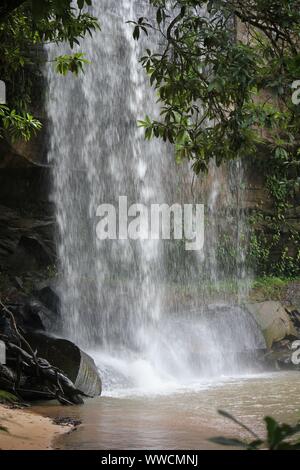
[
  {"x": 295, "y": 316},
  {"x": 48, "y": 295},
  {"x": 49, "y": 320},
  {"x": 31, "y": 254},
  {"x": 78, "y": 366},
  {"x": 26, "y": 239},
  {"x": 273, "y": 320}
]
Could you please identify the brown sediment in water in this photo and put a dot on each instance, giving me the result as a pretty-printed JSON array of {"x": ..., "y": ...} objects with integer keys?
[
  {"x": 27, "y": 430},
  {"x": 182, "y": 419}
]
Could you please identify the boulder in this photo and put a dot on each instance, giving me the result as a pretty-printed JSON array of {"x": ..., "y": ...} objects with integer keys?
[
  {"x": 31, "y": 314},
  {"x": 49, "y": 320},
  {"x": 273, "y": 321},
  {"x": 49, "y": 297},
  {"x": 27, "y": 318},
  {"x": 26, "y": 239},
  {"x": 78, "y": 366},
  {"x": 295, "y": 317}
]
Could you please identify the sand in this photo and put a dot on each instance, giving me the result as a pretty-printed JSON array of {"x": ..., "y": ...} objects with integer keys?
[{"x": 27, "y": 430}]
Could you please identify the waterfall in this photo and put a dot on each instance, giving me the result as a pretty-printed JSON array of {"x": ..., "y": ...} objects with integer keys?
[{"x": 143, "y": 306}]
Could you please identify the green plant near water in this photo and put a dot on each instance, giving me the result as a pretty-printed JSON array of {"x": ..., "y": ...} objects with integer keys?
[
  {"x": 275, "y": 239},
  {"x": 278, "y": 436},
  {"x": 274, "y": 249},
  {"x": 265, "y": 288}
]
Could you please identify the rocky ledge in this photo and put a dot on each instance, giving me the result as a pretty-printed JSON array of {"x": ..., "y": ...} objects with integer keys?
[{"x": 38, "y": 365}]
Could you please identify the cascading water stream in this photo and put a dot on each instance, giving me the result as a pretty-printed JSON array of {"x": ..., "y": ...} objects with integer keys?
[{"x": 140, "y": 304}]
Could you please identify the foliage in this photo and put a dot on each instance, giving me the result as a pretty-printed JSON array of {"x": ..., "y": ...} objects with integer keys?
[
  {"x": 25, "y": 30},
  {"x": 225, "y": 72},
  {"x": 266, "y": 288},
  {"x": 208, "y": 77},
  {"x": 278, "y": 436},
  {"x": 276, "y": 254},
  {"x": 16, "y": 125},
  {"x": 275, "y": 239},
  {"x": 70, "y": 63},
  {"x": 44, "y": 10}
]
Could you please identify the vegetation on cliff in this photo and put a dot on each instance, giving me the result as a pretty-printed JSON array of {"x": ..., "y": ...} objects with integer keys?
[
  {"x": 25, "y": 26},
  {"x": 227, "y": 77},
  {"x": 226, "y": 74}
]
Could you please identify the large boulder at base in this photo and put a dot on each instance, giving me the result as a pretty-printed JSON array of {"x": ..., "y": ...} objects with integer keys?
[
  {"x": 273, "y": 320},
  {"x": 70, "y": 359}
]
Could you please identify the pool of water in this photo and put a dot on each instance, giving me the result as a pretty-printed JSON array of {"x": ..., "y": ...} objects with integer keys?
[{"x": 182, "y": 418}]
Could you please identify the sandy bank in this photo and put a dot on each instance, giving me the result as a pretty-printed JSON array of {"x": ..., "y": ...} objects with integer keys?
[{"x": 27, "y": 430}]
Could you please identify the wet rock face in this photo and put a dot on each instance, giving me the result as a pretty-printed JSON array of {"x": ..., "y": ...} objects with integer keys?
[
  {"x": 32, "y": 314},
  {"x": 26, "y": 240},
  {"x": 274, "y": 321},
  {"x": 30, "y": 254},
  {"x": 49, "y": 297},
  {"x": 48, "y": 319},
  {"x": 27, "y": 251},
  {"x": 292, "y": 295}
]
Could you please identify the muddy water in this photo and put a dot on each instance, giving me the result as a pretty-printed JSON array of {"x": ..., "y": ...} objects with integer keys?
[{"x": 180, "y": 419}]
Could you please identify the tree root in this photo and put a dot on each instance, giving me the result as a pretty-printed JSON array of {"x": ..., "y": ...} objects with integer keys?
[{"x": 30, "y": 376}]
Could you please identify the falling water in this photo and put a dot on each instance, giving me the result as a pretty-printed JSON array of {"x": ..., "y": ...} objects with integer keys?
[{"x": 143, "y": 306}]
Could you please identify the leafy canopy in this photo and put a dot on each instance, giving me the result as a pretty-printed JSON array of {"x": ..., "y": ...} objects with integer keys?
[
  {"x": 25, "y": 26},
  {"x": 223, "y": 71}
]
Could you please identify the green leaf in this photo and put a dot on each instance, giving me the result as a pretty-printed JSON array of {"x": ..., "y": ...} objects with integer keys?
[
  {"x": 224, "y": 441},
  {"x": 159, "y": 16},
  {"x": 136, "y": 33}
]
